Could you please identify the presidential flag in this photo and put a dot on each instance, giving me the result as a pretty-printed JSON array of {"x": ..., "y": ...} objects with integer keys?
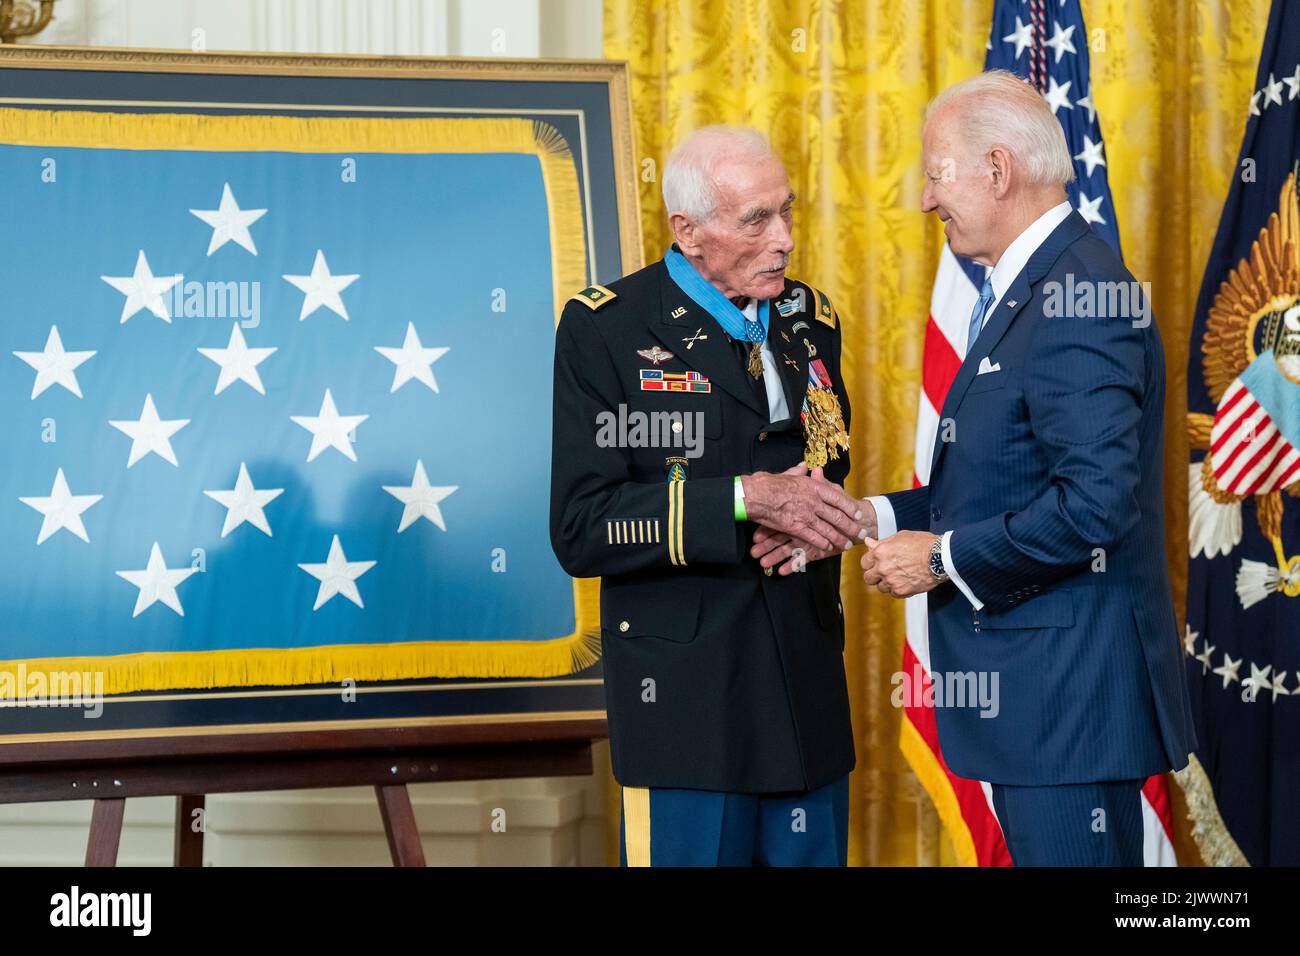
[
  {"x": 1046, "y": 43},
  {"x": 1243, "y": 617}
]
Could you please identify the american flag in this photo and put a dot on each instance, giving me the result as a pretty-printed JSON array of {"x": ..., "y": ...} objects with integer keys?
[{"x": 1046, "y": 43}]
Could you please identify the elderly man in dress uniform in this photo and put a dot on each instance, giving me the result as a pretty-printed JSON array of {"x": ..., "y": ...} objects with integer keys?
[{"x": 699, "y": 402}]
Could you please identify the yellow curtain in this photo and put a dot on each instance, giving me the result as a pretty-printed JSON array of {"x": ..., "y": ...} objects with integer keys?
[{"x": 840, "y": 87}]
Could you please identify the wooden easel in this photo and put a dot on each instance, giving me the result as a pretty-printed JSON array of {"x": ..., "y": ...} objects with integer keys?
[{"x": 110, "y": 771}]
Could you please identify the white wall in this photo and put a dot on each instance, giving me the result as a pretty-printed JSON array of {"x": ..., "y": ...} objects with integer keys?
[
  {"x": 552, "y": 821},
  {"x": 518, "y": 28}
]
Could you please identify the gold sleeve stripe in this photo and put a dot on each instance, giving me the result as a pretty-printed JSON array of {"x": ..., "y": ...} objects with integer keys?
[
  {"x": 672, "y": 522},
  {"x": 632, "y": 531},
  {"x": 676, "y": 524}
]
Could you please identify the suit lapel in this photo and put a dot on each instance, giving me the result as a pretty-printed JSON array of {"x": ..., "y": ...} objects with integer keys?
[
  {"x": 1017, "y": 296},
  {"x": 678, "y": 321}
]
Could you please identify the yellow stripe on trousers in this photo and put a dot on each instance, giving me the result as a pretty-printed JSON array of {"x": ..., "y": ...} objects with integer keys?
[{"x": 636, "y": 825}]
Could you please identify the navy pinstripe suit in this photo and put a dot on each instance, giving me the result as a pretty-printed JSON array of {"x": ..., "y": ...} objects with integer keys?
[{"x": 1053, "y": 472}]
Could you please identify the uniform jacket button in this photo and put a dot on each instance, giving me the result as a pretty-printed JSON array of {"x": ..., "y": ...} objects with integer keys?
[
  {"x": 768, "y": 572},
  {"x": 762, "y": 436},
  {"x": 936, "y": 513},
  {"x": 624, "y": 626}
]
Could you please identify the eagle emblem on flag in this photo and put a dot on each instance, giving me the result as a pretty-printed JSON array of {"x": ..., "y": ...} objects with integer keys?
[{"x": 1251, "y": 360}]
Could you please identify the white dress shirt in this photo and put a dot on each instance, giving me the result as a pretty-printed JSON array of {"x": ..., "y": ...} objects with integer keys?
[
  {"x": 776, "y": 406},
  {"x": 1008, "y": 267}
]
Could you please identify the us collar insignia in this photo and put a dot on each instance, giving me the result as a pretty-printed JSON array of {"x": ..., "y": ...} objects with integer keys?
[
  {"x": 655, "y": 354},
  {"x": 679, "y": 311},
  {"x": 678, "y": 468}
]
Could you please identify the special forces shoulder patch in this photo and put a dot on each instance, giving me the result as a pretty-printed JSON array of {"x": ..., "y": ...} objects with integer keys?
[
  {"x": 678, "y": 468},
  {"x": 593, "y": 297}
]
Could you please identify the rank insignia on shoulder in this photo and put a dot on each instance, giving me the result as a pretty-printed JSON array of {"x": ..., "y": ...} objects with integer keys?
[
  {"x": 655, "y": 354},
  {"x": 678, "y": 468},
  {"x": 632, "y": 531},
  {"x": 825, "y": 311},
  {"x": 593, "y": 297}
]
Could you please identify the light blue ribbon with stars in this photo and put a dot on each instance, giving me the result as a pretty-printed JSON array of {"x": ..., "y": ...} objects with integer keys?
[{"x": 707, "y": 296}]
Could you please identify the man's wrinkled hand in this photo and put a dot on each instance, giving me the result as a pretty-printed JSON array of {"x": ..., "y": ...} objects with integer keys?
[
  {"x": 790, "y": 554},
  {"x": 806, "y": 507},
  {"x": 900, "y": 564}
]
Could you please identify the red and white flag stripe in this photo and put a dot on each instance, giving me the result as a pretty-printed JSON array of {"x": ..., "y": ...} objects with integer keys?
[
  {"x": 1247, "y": 452},
  {"x": 966, "y": 806}
]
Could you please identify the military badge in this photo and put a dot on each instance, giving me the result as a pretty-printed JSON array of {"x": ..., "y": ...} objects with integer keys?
[
  {"x": 822, "y": 417},
  {"x": 593, "y": 297},
  {"x": 653, "y": 380},
  {"x": 655, "y": 354},
  {"x": 678, "y": 468},
  {"x": 788, "y": 307},
  {"x": 690, "y": 340}
]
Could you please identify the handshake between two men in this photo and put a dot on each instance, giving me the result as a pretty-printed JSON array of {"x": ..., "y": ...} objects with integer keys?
[{"x": 803, "y": 517}]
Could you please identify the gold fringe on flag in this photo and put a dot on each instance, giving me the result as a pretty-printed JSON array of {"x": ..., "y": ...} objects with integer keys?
[
  {"x": 1216, "y": 844},
  {"x": 90, "y": 129}
]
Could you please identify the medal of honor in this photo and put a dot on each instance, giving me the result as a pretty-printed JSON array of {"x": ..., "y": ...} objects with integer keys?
[{"x": 756, "y": 359}]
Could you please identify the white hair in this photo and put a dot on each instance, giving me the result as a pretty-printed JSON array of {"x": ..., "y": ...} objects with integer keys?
[
  {"x": 688, "y": 180},
  {"x": 998, "y": 108}
]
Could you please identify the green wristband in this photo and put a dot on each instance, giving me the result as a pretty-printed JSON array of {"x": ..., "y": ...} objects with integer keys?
[{"x": 740, "y": 501}]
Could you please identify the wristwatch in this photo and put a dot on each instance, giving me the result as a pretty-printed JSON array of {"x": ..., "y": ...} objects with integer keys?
[{"x": 936, "y": 560}]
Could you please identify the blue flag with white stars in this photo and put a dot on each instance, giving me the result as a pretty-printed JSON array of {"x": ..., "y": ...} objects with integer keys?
[{"x": 251, "y": 402}]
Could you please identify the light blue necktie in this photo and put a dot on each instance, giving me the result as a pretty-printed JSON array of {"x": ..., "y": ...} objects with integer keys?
[{"x": 977, "y": 315}]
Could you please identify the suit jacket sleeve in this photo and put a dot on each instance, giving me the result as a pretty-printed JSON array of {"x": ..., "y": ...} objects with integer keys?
[
  {"x": 911, "y": 508},
  {"x": 1083, "y": 388},
  {"x": 602, "y": 520}
]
